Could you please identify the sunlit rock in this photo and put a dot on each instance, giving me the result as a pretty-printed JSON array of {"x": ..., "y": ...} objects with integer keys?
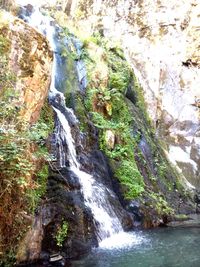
[
  {"x": 162, "y": 45},
  {"x": 30, "y": 61},
  {"x": 110, "y": 139}
]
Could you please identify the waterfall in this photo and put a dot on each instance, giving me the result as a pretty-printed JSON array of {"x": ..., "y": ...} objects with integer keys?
[{"x": 96, "y": 195}]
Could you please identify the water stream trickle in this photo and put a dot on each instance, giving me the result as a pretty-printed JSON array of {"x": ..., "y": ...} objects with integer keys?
[{"x": 96, "y": 195}]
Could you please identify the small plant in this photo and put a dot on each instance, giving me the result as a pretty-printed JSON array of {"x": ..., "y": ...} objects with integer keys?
[
  {"x": 61, "y": 233},
  {"x": 161, "y": 204},
  {"x": 131, "y": 178},
  {"x": 35, "y": 194}
]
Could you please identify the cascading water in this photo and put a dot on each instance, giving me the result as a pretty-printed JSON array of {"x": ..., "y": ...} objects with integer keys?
[{"x": 95, "y": 194}]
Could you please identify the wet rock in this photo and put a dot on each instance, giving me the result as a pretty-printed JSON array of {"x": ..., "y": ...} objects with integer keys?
[
  {"x": 67, "y": 177},
  {"x": 170, "y": 79},
  {"x": 192, "y": 220},
  {"x": 30, "y": 248},
  {"x": 197, "y": 197},
  {"x": 134, "y": 208}
]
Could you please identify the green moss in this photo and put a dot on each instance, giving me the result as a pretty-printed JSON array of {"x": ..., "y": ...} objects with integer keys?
[
  {"x": 7, "y": 78},
  {"x": 120, "y": 74},
  {"x": 140, "y": 101},
  {"x": 110, "y": 111},
  {"x": 130, "y": 177},
  {"x": 26, "y": 63},
  {"x": 8, "y": 260},
  {"x": 181, "y": 217}
]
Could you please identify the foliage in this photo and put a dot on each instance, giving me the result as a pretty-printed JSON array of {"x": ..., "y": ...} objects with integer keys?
[
  {"x": 22, "y": 157},
  {"x": 34, "y": 195},
  {"x": 130, "y": 177},
  {"x": 140, "y": 103},
  {"x": 19, "y": 192},
  {"x": 161, "y": 204},
  {"x": 107, "y": 104},
  {"x": 61, "y": 233}
]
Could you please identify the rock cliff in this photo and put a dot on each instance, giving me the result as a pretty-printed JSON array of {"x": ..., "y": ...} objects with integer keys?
[
  {"x": 25, "y": 60},
  {"x": 30, "y": 61},
  {"x": 161, "y": 43}
]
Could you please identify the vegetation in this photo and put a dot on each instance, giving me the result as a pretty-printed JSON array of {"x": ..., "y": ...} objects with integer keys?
[
  {"x": 61, "y": 233},
  {"x": 109, "y": 77},
  {"x": 161, "y": 204},
  {"x": 23, "y": 159}
]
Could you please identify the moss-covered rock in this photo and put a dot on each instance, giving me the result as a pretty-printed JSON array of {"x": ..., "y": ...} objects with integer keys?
[{"x": 116, "y": 104}]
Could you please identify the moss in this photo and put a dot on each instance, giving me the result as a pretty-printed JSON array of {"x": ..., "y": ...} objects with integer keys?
[
  {"x": 181, "y": 217},
  {"x": 28, "y": 59},
  {"x": 82, "y": 116},
  {"x": 107, "y": 103},
  {"x": 130, "y": 123},
  {"x": 7, "y": 78},
  {"x": 140, "y": 101}
]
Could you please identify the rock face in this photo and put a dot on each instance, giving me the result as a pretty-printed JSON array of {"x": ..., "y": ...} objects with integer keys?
[
  {"x": 168, "y": 80},
  {"x": 161, "y": 43},
  {"x": 25, "y": 76},
  {"x": 30, "y": 61}
]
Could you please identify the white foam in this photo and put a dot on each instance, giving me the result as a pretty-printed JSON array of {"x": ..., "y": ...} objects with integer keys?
[{"x": 122, "y": 240}]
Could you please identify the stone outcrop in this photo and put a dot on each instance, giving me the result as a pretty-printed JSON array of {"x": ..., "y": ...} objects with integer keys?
[
  {"x": 169, "y": 80},
  {"x": 161, "y": 43},
  {"x": 26, "y": 62},
  {"x": 30, "y": 62}
]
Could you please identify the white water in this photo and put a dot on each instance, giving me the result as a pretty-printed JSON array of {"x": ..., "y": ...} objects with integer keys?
[
  {"x": 122, "y": 240},
  {"x": 95, "y": 194}
]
